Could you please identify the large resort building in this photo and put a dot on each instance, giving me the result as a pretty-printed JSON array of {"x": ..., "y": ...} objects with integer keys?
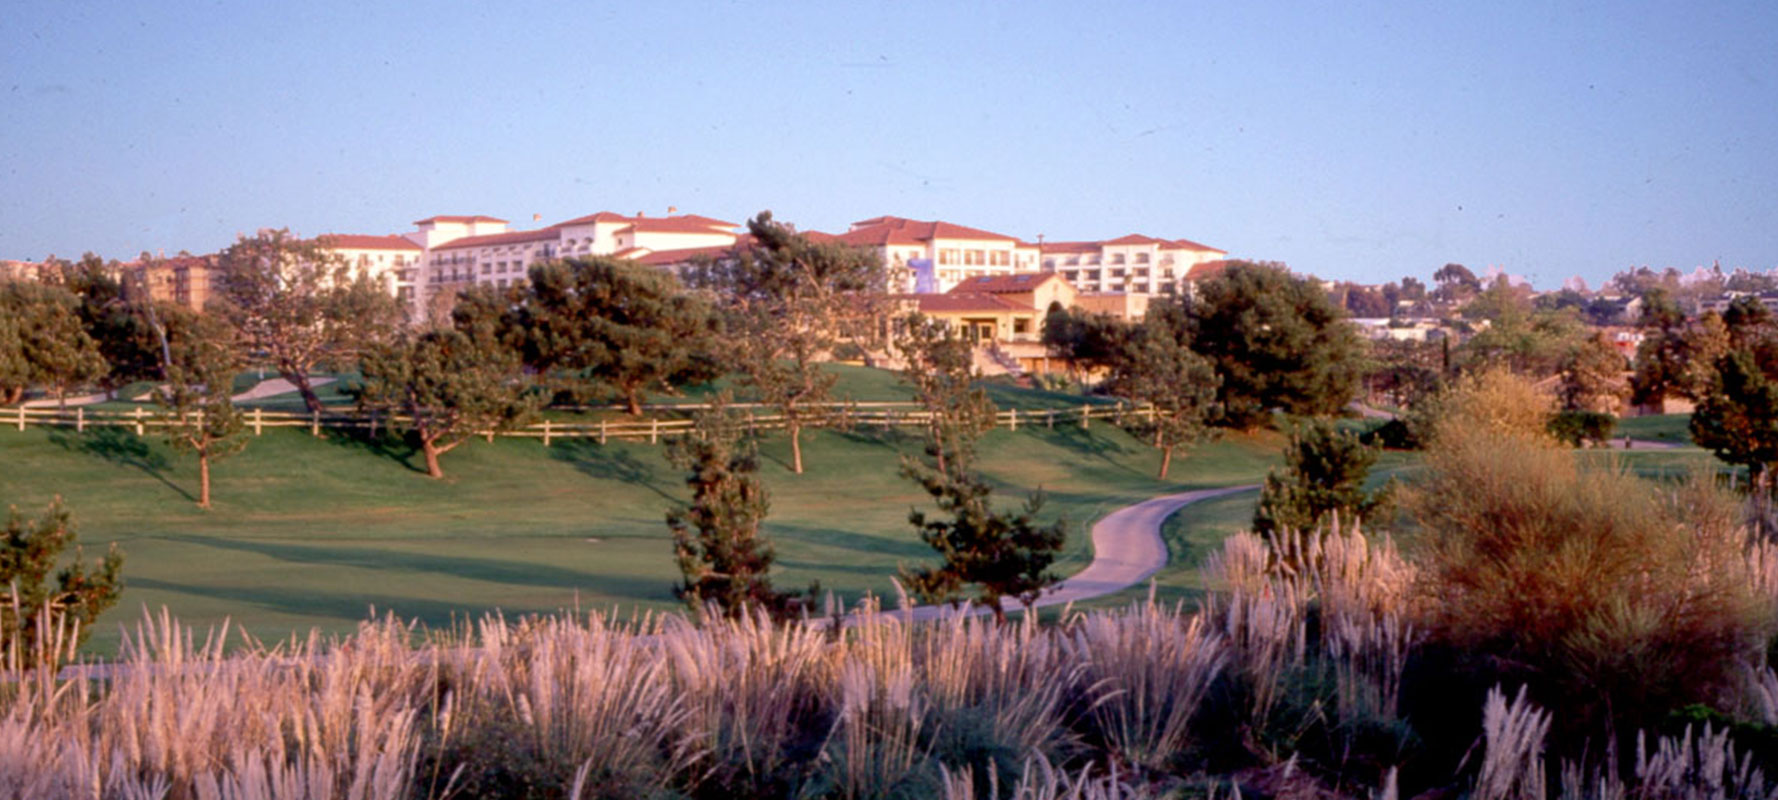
[{"x": 992, "y": 286}]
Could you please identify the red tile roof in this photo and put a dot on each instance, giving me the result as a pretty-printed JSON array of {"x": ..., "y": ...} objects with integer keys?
[
  {"x": 631, "y": 252},
  {"x": 1187, "y": 244},
  {"x": 491, "y": 239},
  {"x": 689, "y": 222},
  {"x": 1136, "y": 238},
  {"x": 450, "y": 218},
  {"x": 665, "y": 258},
  {"x": 895, "y": 230},
  {"x": 1070, "y": 247},
  {"x": 361, "y": 241},
  {"x": 686, "y": 224},
  {"x": 955, "y": 303},
  {"x": 1016, "y": 283},
  {"x": 603, "y": 216},
  {"x": 1206, "y": 270}
]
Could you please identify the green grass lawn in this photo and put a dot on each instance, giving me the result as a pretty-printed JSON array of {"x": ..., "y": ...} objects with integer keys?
[
  {"x": 1673, "y": 428},
  {"x": 315, "y": 532}
]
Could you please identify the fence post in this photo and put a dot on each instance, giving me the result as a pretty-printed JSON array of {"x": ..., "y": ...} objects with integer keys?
[
  {"x": 21, "y": 416},
  {"x": 258, "y": 421},
  {"x": 139, "y": 430},
  {"x": 654, "y": 431},
  {"x": 1012, "y": 419},
  {"x": 80, "y": 419},
  {"x": 601, "y": 431},
  {"x": 373, "y": 423},
  {"x": 1086, "y": 413},
  {"x": 1049, "y": 419},
  {"x": 315, "y": 424},
  {"x": 1151, "y": 414},
  {"x": 546, "y": 433}
]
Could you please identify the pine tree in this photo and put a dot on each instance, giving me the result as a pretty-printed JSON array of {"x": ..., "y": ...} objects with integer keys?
[
  {"x": 29, "y": 551},
  {"x": 1001, "y": 553},
  {"x": 1325, "y": 470},
  {"x": 723, "y": 555}
]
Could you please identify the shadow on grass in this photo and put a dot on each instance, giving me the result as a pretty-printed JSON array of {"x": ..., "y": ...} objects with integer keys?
[
  {"x": 514, "y": 573},
  {"x": 385, "y": 444},
  {"x": 1084, "y": 441},
  {"x": 122, "y": 447},
  {"x": 607, "y": 462},
  {"x": 909, "y": 547}
]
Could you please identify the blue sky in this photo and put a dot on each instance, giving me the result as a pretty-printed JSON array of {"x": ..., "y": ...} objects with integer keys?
[{"x": 1352, "y": 140}]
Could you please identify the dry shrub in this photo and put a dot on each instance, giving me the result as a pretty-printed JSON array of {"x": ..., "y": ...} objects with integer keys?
[
  {"x": 1494, "y": 403},
  {"x": 1615, "y": 599}
]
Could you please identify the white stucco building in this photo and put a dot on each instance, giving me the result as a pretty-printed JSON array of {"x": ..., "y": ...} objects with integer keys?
[
  {"x": 935, "y": 256},
  {"x": 427, "y": 266},
  {"x": 1136, "y": 264}
]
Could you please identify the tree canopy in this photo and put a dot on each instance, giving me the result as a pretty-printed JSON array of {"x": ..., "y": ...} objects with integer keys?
[
  {"x": 788, "y": 302},
  {"x": 1277, "y": 342},
  {"x": 196, "y": 407},
  {"x": 1156, "y": 368},
  {"x": 46, "y": 343},
  {"x": 445, "y": 386},
  {"x": 604, "y": 323},
  {"x": 297, "y": 304},
  {"x": 938, "y": 365},
  {"x": 1737, "y": 417}
]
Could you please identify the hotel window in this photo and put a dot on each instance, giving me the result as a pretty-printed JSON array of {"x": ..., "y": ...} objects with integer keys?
[
  {"x": 1142, "y": 258},
  {"x": 487, "y": 268}
]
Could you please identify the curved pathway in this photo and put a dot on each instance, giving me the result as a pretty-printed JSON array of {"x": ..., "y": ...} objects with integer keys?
[{"x": 1127, "y": 549}]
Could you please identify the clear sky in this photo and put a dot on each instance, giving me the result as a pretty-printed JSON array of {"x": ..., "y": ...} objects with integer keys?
[{"x": 1353, "y": 140}]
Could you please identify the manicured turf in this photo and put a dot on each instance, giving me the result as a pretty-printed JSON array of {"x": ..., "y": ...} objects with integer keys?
[
  {"x": 314, "y": 532},
  {"x": 1656, "y": 427}
]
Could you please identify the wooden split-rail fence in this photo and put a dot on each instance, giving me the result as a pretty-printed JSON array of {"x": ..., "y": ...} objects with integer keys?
[{"x": 652, "y": 430}]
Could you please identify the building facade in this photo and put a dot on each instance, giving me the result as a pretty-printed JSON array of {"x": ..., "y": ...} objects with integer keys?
[{"x": 1133, "y": 264}]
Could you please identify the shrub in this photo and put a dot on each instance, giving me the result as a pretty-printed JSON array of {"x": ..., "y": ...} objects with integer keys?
[
  {"x": 1613, "y": 599},
  {"x": 1325, "y": 470},
  {"x": 1580, "y": 428}
]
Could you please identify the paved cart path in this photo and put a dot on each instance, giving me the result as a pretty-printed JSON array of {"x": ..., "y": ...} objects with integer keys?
[{"x": 1127, "y": 549}]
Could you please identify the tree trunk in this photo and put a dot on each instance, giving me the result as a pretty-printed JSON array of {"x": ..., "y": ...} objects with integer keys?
[
  {"x": 1166, "y": 461},
  {"x": 11, "y": 395},
  {"x": 203, "y": 480},
  {"x": 432, "y": 452},
  {"x": 633, "y": 402},
  {"x": 300, "y": 379},
  {"x": 796, "y": 448}
]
